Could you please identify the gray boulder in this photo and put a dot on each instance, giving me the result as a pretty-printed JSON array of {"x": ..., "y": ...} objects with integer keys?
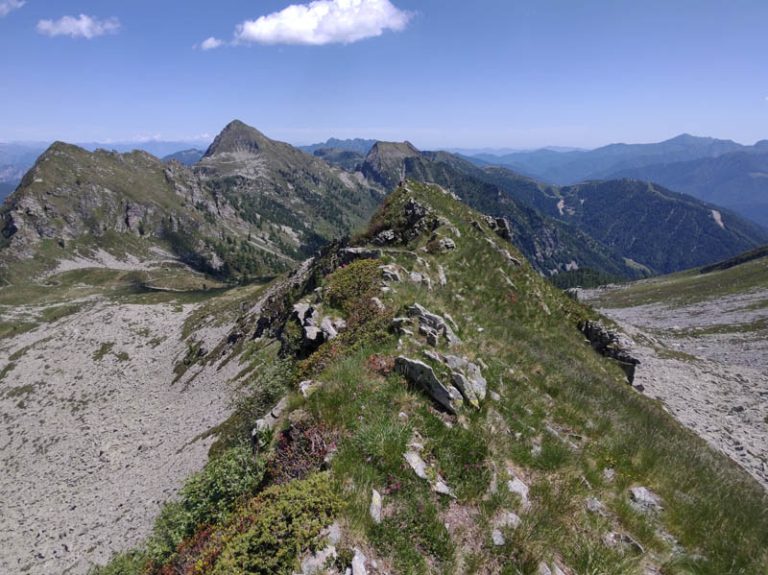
[
  {"x": 516, "y": 486},
  {"x": 644, "y": 499},
  {"x": 467, "y": 390},
  {"x": 385, "y": 237},
  {"x": 435, "y": 322},
  {"x": 268, "y": 422},
  {"x": 498, "y": 538},
  {"x": 421, "y": 375},
  {"x": 446, "y": 244},
  {"x": 308, "y": 387},
  {"x": 314, "y": 563},
  {"x": 390, "y": 273},
  {"x": 358, "y": 563},
  {"x": 471, "y": 373}
]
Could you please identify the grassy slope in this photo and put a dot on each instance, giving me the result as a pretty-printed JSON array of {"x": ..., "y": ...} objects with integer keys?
[
  {"x": 690, "y": 286},
  {"x": 554, "y": 393}
]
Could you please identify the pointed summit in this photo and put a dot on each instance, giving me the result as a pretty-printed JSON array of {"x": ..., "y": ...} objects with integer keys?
[
  {"x": 237, "y": 137},
  {"x": 386, "y": 162}
]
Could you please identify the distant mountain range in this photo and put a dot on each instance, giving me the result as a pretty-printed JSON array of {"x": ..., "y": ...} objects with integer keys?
[
  {"x": 736, "y": 180},
  {"x": 618, "y": 227},
  {"x": 251, "y": 206},
  {"x": 719, "y": 171},
  {"x": 574, "y": 167},
  {"x": 186, "y": 157},
  {"x": 359, "y": 145}
]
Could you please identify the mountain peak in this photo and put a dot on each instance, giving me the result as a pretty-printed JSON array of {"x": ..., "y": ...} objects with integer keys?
[
  {"x": 58, "y": 147},
  {"x": 394, "y": 150},
  {"x": 385, "y": 163},
  {"x": 237, "y": 136}
]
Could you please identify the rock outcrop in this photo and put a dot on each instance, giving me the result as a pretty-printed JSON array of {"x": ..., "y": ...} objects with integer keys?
[
  {"x": 432, "y": 325},
  {"x": 315, "y": 329},
  {"x": 423, "y": 376},
  {"x": 611, "y": 344}
]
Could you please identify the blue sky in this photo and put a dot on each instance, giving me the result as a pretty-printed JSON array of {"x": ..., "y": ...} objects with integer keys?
[{"x": 441, "y": 73}]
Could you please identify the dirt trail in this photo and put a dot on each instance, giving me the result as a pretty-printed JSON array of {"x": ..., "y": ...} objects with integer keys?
[{"x": 708, "y": 363}]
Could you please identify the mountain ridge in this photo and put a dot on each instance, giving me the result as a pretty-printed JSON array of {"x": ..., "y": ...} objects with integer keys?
[
  {"x": 533, "y": 205},
  {"x": 250, "y": 206},
  {"x": 736, "y": 180},
  {"x": 445, "y": 428},
  {"x": 568, "y": 168}
]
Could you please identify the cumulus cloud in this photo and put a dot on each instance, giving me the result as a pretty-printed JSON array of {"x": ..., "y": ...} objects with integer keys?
[
  {"x": 7, "y": 6},
  {"x": 211, "y": 43},
  {"x": 324, "y": 22},
  {"x": 81, "y": 27}
]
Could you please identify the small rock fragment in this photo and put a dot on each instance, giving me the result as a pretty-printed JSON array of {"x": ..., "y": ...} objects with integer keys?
[
  {"x": 441, "y": 276},
  {"x": 596, "y": 506},
  {"x": 308, "y": 387},
  {"x": 616, "y": 539},
  {"x": 418, "y": 465},
  {"x": 644, "y": 499},
  {"x": 314, "y": 563},
  {"x": 385, "y": 237},
  {"x": 376, "y": 505},
  {"x": 358, "y": 563},
  {"x": 498, "y": 538},
  {"x": 326, "y": 326},
  {"x": 515, "y": 485},
  {"x": 333, "y": 532},
  {"x": 446, "y": 244},
  {"x": 508, "y": 519},
  {"x": 441, "y": 487}
]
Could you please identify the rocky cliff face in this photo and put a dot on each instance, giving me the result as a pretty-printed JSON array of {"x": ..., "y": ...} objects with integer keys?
[
  {"x": 385, "y": 163},
  {"x": 250, "y": 207}
]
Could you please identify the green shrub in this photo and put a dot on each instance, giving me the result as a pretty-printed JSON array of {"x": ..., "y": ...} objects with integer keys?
[
  {"x": 357, "y": 283},
  {"x": 207, "y": 497},
  {"x": 130, "y": 563},
  {"x": 267, "y": 535}
]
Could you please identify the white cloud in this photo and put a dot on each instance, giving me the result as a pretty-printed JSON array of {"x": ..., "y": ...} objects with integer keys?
[
  {"x": 324, "y": 22},
  {"x": 211, "y": 43},
  {"x": 8, "y": 6},
  {"x": 81, "y": 27}
]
